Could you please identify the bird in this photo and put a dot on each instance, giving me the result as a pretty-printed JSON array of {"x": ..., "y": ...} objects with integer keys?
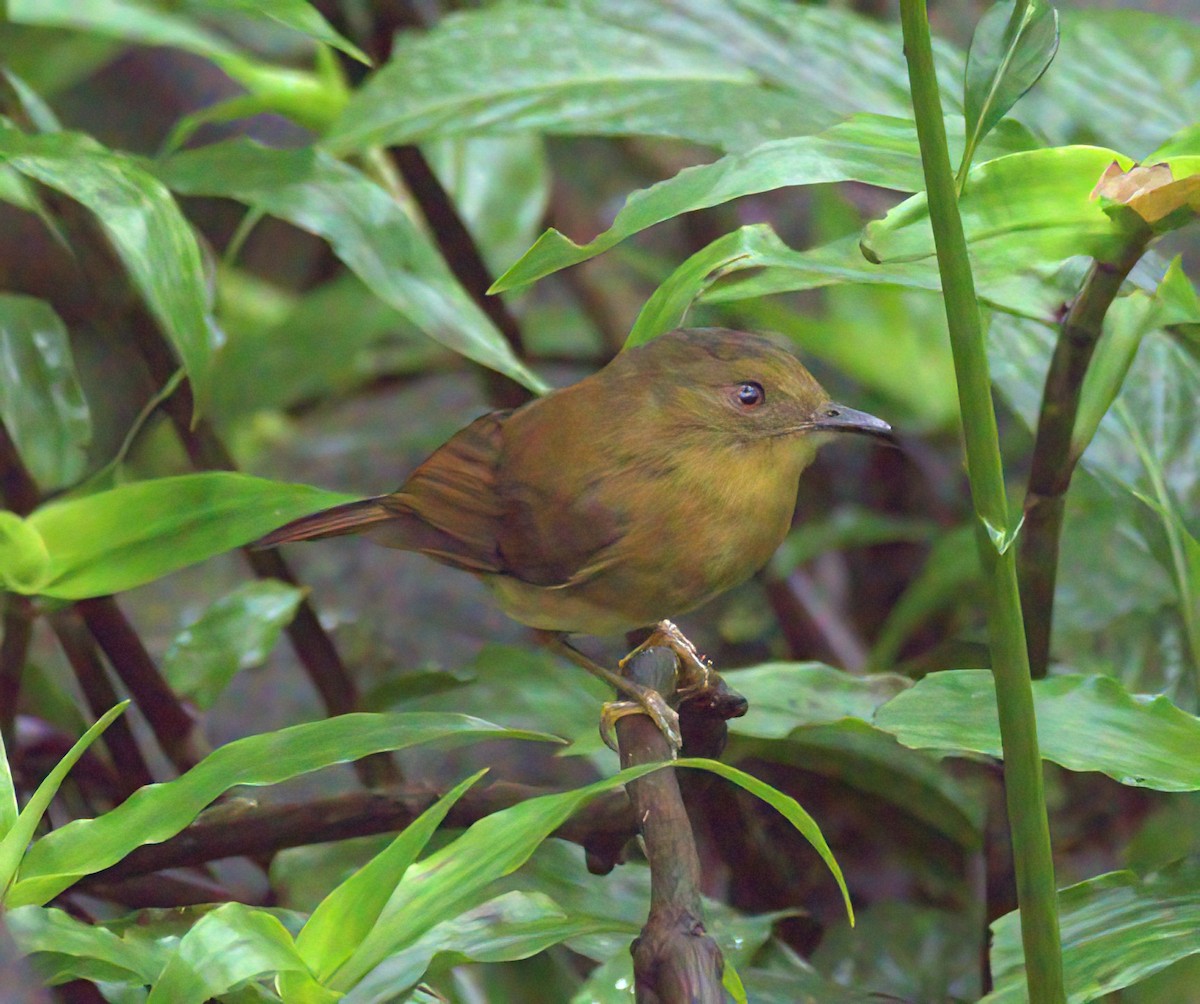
[{"x": 619, "y": 502}]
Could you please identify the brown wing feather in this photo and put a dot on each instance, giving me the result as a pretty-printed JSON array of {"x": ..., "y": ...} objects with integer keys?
[
  {"x": 351, "y": 517},
  {"x": 447, "y": 509}
]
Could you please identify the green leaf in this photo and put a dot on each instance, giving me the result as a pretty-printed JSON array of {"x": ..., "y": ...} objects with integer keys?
[
  {"x": 514, "y": 925},
  {"x": 150, "y": 234},
  {"x": 154, "y": 813},
  {"x": 723, "y": 75},
  {"x": 131, "y": 534},
  {"x": 872, "y": 149},
  {"x": 868, "y": 148},
  {"x": 24, "y": 560},
  {"x": 1085, "y": 723},
  {"x": 42, "y": 930},
  {"x": 1007, "y": 56},
  {"x": 148, "y": 23},
  {"x": 15, "y": 843},
  {"x": 298, "y": 15},
  {"x": 816, "y": 717},
  {"x": 123, "y": 19},
  {"x": 1122, "y": 79},
  {"x": 1117, "y": 929},
  {"x": 1128, "y": 321},
  {"x": 41, "y": 403},
  {"x": 228, "y": 946},
  {"x": 1018, "y": 211},
  {"x": 346, "y": 916},
  {"x": 237, "y": 632},
  {"x": 8, "y": 794},
  {"x": 454, "y": 877},
  {"x": 366, "y": 227}
]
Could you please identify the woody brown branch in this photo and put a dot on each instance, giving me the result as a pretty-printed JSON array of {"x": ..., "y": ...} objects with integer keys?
[
  {"x": 674, "y": 959},
  {"x": 243, "y": 828},
  {"x": 1053, "y": 462}
]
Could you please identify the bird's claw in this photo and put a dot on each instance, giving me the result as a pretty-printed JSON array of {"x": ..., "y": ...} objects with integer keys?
[
  {"x": 648, "y": 702},
  {"x": 695, "y": 672}
]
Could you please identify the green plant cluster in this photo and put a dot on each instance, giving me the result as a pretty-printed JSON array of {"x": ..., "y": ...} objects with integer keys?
[{"x": 700, "y": 103}]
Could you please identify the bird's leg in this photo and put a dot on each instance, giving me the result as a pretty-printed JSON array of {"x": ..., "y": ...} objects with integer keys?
[{"x": 643, "y": 700}]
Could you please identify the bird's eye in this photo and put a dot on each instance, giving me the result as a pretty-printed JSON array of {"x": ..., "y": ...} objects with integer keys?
[{"x": 750, "y": 394}]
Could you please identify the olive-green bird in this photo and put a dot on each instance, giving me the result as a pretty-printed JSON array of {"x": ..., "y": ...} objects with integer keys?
[{"x": 630, "y": 497}]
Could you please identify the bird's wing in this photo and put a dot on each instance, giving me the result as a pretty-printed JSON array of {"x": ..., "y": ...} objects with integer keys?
[{"x": 449, "y": 508}]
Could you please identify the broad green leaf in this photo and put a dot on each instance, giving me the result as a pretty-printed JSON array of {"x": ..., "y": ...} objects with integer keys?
[
  {"x": 139, "y": 22},
  {"x": 817, "y": 717},
  {"x": 54, "y": 932},
  {"x": 1026, "y": 293},
  {"x": 41, "y": 403},
  {"x": 154, "y": 813},
  {"x": 1007, "y": 56},
  {"x": 131, "y": 534},
  {"x": 228, "y": 946},
  {"x": 1085, "y": 723},
  {"x": 141, "y": 219},
  {"x": 724, "y": 75},
  {"x": 867, "y": 148},
  {"x": 872, "y": 149},
  {"x": 15, "y": 843},
  {"x": 1116, "y": 929},
  {"x": 785, "y": 696},
  {"x": 454, "y": 878},
  {"x": 156, "y": 23},
  {"x": 559, "y": 871},
  {"x": 511, "y": 926},
  {"x": 1124, "y": 79},
  {"x": 238, "y": 631},
  {"x": 366, "y": 227},
  {"x": 346, "y": 916},
  {"x": 1018, "y": 211},
  {"x": 1128, "y": 321},
  {"x": 298, "y": 15},
  {"x": 24, "y": 560}
]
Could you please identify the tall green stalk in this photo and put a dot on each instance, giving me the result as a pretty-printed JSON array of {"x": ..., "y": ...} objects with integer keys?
[{"x": 1010, "y": 661}]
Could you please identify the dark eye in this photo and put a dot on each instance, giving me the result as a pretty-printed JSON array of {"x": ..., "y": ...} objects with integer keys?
[{"x": 750, "y": 394}]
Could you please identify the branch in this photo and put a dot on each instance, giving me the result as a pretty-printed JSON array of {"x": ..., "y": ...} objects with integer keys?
[
  {"x": 243, "y": 828},
  {"x": 674, "y": 958},
  {"x": 1053, "y": 463}
]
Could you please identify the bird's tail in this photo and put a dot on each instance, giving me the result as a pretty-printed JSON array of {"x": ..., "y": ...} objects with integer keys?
[{"x": 351, "y": 517}]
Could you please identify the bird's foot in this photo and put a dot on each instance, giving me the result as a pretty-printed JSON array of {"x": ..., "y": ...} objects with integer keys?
[
  {"x": 644, "y": 702},
  {"x": 695, "y": 673}
]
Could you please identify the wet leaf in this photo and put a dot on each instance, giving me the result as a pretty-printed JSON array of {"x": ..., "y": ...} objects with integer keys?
[
  {"x": 41, "y": 403},
  {"x": 237, "y": 632},
  {"x": 1116, "y": 929}
]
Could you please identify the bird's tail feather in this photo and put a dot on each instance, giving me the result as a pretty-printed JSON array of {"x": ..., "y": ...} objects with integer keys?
[{"x": 351, "y": 517}]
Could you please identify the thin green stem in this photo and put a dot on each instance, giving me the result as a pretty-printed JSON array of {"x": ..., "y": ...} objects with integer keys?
[{"x": 1010, "y": 661}]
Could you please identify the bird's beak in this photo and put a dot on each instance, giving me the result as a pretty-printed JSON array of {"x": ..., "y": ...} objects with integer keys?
[{"x": 838, "y": 418}]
